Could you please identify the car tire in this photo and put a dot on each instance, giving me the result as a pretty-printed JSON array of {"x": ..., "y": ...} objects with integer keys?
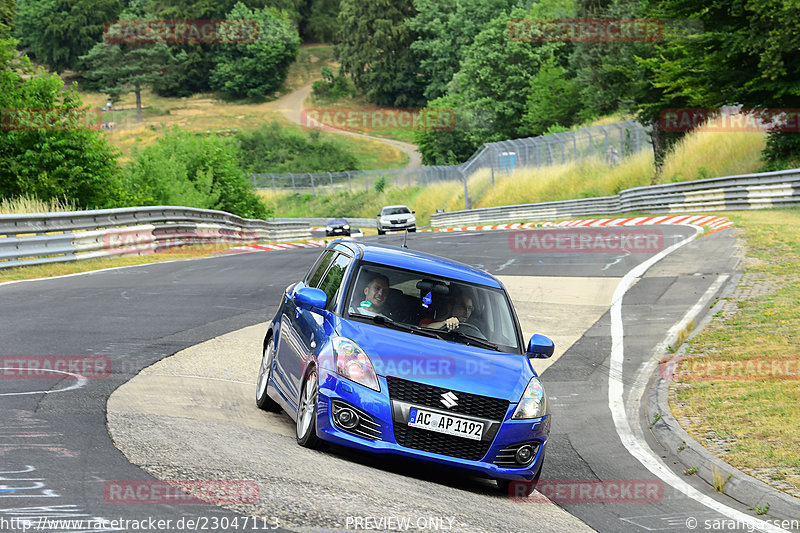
[
  {"x": 380, "y": 231},
  {"x": 520, "y": 488},
  {"x": 413, "y": 230},
  {"x": 263, "y": 401},
  {"x": 307, "y": 413}
]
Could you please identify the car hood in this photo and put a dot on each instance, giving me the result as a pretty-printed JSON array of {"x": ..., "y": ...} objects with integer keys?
[
  {"x": 400, "y": 216},
  {"x": 441, "y": 363}
]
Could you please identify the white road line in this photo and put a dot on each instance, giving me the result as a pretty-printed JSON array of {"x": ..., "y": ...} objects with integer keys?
[
  {"x": 636, "y": 446},
  {"x": 77, "y": 385}
]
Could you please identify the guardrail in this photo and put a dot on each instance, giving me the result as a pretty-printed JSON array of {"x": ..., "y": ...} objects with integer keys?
[
  {"x": 39, "y": 238},
  {"x": 322, "y": 221},
  {"x": 748, "y": 191}
]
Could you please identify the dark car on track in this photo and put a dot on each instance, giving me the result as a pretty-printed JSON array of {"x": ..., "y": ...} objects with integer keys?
[
  {"x": 365, "y": 351},
  {"x": 337, "y": 227}
]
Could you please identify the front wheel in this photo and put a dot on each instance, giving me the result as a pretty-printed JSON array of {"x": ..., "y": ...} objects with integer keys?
[
  {"x": 307, "y": 413},
  {"x": 263, "y": 401},
  {"x": 380, "y": 231}
]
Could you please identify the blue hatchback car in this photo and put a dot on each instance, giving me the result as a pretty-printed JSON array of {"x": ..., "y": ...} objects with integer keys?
[{"x": 393, "y": 351}]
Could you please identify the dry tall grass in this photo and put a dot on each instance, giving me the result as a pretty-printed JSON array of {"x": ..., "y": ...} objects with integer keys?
[{"x": 31, "y": 204}]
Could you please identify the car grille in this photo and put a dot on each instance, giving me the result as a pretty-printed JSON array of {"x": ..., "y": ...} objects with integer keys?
[
  {"x": 430, "y": 396},
  {"x": 429, "y": 441},
  {"x": 427, "y": 395}
]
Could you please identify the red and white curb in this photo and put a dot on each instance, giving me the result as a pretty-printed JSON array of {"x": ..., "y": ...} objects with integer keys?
[
  {"x": 271, "y": 247},
  {"x": 713, "y": 222}
]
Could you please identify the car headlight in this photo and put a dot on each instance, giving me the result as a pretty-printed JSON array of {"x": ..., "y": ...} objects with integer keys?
[
  {"x": 346, "y": 226},
  {"x": 533, "y": 403},
  {"x": 353, "y": 364}
]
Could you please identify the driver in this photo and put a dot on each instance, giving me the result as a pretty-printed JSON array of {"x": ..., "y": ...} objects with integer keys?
[
  {"x": 460, "y": 307},
  {"x": 376, "y": 293}
]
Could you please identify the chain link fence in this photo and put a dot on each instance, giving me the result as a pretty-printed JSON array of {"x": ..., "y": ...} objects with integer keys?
[{"x": 611, "y": 143}]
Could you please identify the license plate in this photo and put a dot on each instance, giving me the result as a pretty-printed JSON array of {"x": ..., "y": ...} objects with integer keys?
[{"x": 449, "y": 425}]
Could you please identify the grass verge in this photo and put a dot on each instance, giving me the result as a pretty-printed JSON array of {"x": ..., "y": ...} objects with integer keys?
[
  {"x": 737, "y": 389},
  {"x": 74, "y": 267}
]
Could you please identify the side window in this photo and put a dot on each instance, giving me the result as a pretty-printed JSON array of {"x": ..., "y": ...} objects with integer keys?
[
  {"x": 333, "y": 279},
  {"x": 320, "y": 267}
]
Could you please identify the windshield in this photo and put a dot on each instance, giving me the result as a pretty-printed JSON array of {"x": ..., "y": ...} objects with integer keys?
[
  {"x": 426, "y": 303},
  {"x": 395, "y": 211}
]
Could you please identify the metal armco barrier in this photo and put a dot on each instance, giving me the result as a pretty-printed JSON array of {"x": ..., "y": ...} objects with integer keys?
[
  {"x": 39, "y": 238},
  {"x": 749, "y": 191}
]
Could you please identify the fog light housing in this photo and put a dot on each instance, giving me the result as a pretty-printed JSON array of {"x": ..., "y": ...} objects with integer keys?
[
  {"x": 524, "y": 455},
  {"x": 347, "y": 418}
]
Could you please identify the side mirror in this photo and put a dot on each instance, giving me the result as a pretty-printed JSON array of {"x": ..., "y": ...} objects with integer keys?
[
  {"x": 311, "y": 299},
  {"x": 540, "y": 347}
]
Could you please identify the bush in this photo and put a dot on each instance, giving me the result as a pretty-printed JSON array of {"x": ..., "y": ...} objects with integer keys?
[
  {"x": 332, "y": 87},
  {"x": 193, "y": 171},
  {"x": 50, "y": 149},
  {"x": 274, "y": 149},
  {"x": 782, "y": 151}
]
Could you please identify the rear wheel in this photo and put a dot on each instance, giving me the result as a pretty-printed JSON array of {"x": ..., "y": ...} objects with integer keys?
[
  {"x": 263, "y": 401},
  {"x": 307, "y": 413}
]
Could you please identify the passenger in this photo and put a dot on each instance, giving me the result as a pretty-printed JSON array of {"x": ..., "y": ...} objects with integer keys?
[{"x": 459, "y": 308}]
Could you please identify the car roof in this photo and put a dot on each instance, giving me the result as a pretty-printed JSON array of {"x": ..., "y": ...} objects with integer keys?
[
  {"x": 393, "y": 206},
  {"x": 420, "y": 261}
]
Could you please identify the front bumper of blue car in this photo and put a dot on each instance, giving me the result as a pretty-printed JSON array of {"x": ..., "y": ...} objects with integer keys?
[{"x": 377, "y": 422}]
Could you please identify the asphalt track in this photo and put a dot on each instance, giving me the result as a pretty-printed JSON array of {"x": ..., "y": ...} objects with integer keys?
[{"x": 57, "y": 455}]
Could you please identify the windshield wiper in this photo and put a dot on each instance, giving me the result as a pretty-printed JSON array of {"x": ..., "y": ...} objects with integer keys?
[
  {"x": 471, "y": 340},
  {"x": 388, "y": 322}
]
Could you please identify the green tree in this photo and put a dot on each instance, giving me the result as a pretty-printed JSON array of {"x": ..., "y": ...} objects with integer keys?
[
  {"x": 8, "y": 11},
  {"x": 119, "y": 69},
  {"x": 489, "y": 94},
  {"x": 183, "y": 168},
  {"x": 254, "y": 69},
  {"x": 194, "y": 73},
  {"x": 321, "y": 26},
  {"x": 373, "y": 46},
  {"x": 57, "y": 32},
  {"x": 743, "y": 52},
  {"x": 445, "y": 28},
  {"x": 554, "y": 99},
  {"x": 50, "y": 147}
]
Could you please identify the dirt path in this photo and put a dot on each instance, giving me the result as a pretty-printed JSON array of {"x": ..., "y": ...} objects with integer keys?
[{"x": 291, "y": 106}]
